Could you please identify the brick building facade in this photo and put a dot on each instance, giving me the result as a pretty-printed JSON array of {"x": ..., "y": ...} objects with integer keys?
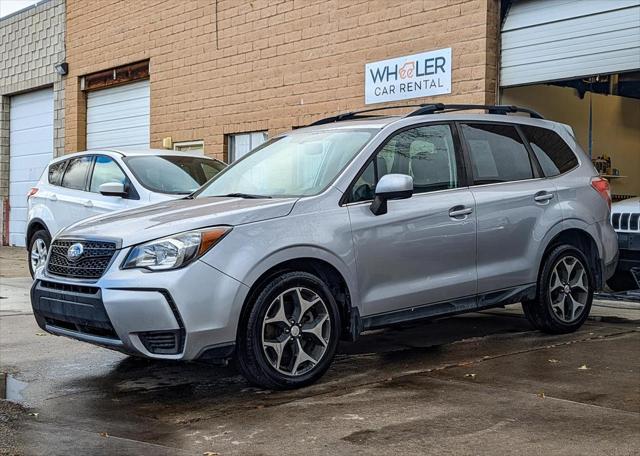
[
  {"x": 228, "y": 66},
  {"x": 31, "y": 43},
  {"x": 220, "y": 74}
]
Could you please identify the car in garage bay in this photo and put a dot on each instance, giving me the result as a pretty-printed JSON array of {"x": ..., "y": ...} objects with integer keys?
[{"x": 625, "y": 218}]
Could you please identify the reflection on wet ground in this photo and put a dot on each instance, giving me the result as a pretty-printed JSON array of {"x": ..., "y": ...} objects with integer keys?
[
  {"x": 450, "y": 385},
  {"x": 11, "y": 388}
]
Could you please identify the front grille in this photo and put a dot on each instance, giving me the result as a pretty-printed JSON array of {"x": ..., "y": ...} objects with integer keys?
[
  {"x": 74, "y": 288},
  {"x": 91, "y": 264},
  {"x": 626, "y": 221},
  {"x": 78, "y": 309}
]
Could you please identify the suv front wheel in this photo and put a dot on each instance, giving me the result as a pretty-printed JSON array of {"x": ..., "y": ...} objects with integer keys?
[
  {"x": 38, "y": 248},
  {"x": 564, "y": 292},
  {"x": 291, "y": 332}
]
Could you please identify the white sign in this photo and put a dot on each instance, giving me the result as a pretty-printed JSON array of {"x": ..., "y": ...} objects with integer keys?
[{"x": 412, "y": 76}]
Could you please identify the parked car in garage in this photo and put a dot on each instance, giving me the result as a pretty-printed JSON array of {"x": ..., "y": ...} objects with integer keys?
[
  {"x": 352, "y": 223},
  {"x": 85, "y": 184},
  {"x": 625, "y": 218}
]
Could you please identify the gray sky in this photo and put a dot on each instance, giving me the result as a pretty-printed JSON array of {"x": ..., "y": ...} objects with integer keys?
[{"x": 11, "y": 6}]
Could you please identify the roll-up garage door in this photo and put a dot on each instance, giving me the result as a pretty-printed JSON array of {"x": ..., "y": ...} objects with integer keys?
[
  {"x": 119, "y": 116},
  {"x": 547, "y": 40},
  {"x": 30, "y": 150}
]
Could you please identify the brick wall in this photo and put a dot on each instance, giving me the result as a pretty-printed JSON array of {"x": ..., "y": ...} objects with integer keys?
[
  {"x": 31, "y": 43},
  {"x": 268, "y": 64}
]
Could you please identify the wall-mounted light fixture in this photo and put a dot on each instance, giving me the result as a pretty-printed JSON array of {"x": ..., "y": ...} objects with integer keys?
[{"x": 62, "y": 68}]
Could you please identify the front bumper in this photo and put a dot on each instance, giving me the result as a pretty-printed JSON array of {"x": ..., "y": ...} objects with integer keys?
[
  {"x": 177, "y": 314},
  {"x": 629, "y": 248}
]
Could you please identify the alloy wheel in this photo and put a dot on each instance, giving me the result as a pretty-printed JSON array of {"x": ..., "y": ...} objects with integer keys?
[
  {"x": 568, "y": 289},
  {"x": 38, "y": 254},
  {"x": 295, "y": 331}
]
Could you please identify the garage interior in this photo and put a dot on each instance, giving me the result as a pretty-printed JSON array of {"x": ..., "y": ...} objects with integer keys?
[{"x": 579, "y": 63}]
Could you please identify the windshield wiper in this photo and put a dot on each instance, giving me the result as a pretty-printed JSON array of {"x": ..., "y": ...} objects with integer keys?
[{"x": 243, "y": 195}]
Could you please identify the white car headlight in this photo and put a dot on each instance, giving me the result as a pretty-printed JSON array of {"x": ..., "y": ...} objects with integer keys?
[{"x": 176, "y": 251}]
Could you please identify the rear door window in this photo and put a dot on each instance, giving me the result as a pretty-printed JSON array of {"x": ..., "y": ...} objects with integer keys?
[
  {"x": 555, "y": 155},
  {"x": 55, "y": 172},
  {"x": 75, "y": 176},
  {"x": 497, "y": 153}
]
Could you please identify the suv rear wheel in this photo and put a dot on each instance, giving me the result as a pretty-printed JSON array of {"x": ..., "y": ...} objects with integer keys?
[
  {"x": 291, "y": 333},
  {"x": 565, "y": 292},
  {"x": 38, "y": 248}
]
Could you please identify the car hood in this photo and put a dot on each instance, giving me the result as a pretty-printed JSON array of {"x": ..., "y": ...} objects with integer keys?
[
  {"x": 628, "y": 205},
  {"x": 170, "y": 217}
]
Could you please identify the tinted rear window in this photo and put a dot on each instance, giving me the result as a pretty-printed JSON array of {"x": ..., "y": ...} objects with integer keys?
[
  {"x": 554, "y": 155},
  {"x": 497, "y": 153},
  {"x": 55, "y": 172},
  {"x": 172, "y": 174}
]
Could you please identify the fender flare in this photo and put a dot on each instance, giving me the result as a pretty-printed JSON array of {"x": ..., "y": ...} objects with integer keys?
[
  {"x": 33, "y": 221},
  {"x": 564, "y": 225},
  {"x": 305, "y": 251}
]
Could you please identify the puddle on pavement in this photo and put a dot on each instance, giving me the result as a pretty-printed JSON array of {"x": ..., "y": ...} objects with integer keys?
[{"x": 11, "y": 388}]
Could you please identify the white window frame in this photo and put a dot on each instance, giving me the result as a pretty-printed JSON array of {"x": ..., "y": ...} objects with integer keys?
[
  {"x": 253, "y": 142},
  {"x": 189, "y": 146}
]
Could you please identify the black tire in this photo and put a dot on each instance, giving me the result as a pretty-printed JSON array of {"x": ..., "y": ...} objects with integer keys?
[
  {"x": 540, "y": 312},
  {"x": 38, "y": 235},
  {"x": 622, "y": 281},
  {"x": 251, "y": 357}
]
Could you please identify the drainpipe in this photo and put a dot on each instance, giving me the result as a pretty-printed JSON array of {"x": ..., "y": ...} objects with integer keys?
[
  {"x": 5, "y": 219},
  {"x": 590, "y": 124}
]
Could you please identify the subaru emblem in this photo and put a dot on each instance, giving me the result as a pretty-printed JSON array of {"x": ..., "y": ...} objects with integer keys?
[{"x": 75, "y": 251}]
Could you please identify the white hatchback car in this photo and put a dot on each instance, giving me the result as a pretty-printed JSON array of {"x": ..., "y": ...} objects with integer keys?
[{"x": 84, "y": 184}]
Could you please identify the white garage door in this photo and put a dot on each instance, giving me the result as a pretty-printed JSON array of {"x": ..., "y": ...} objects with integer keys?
[
  {"x": 119, "y": 116},
  {"x": 30, "y": 150},
  {"x": 547, "y": 40}
]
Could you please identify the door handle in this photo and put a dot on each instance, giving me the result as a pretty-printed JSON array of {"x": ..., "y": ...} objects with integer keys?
[
  {"x": 543, "y": 196},
  {"x": 460, "y": 211},
  {"x": 53, "y": 198},
  {"x": 88, "y": 203}
]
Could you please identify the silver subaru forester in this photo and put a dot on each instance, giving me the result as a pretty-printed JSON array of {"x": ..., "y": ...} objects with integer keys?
[{"x": 353, "y": 223}]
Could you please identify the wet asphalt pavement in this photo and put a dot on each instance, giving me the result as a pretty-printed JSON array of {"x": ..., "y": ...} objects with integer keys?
[{"x": 483, "y": 383}]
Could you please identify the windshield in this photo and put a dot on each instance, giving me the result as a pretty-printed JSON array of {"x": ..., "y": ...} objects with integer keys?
[
  {"x": 172, "y": 174},
  {"x": 301, "y": 164}
]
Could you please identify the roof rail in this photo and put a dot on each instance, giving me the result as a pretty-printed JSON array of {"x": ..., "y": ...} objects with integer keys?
[
  {"x": 491, "y": 109},
  {"x": 356, "y": 114},
  {"x": 430, "y": 108}
]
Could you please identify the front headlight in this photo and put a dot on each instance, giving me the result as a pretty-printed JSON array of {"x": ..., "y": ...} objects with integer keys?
[{"x": 176, "y": 251}]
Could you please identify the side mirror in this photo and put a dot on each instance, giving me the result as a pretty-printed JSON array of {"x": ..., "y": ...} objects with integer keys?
[
  {"x": 391, "y": 187},
  {"x": 113, "y": 189}
]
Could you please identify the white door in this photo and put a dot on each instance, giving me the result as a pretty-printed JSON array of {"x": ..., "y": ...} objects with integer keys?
[
  {"x": 30, "y": 150},
  {"x": 547, "y": 40},
  {"x": 119, "y": 116}
]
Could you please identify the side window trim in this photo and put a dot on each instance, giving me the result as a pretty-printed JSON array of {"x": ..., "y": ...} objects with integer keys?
[
  {"x": 462, "y": 154},
  {"x": 87, "y": 184},
  {"x": 87, "y": 181},
  {"x": 524, "y": 140},
  {"x": 461, "y": 167},
  {"x": 535, "y": 164}
]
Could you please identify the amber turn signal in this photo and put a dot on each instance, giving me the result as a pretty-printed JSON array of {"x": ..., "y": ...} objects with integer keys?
[{"x": 211, "y": 237}]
